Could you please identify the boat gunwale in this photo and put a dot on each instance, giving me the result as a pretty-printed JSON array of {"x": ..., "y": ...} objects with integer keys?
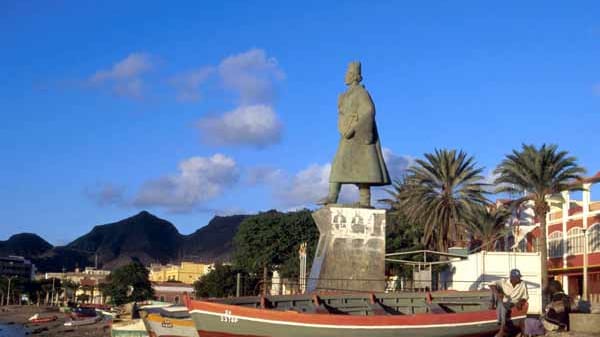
[{"x": 283, "y": 317}]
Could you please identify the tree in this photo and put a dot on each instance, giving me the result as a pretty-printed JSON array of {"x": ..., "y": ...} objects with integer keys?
[
  {"x": 33, "y": 290},
  {"x": 439, "y": 192},
  {"x": 3, "y": 290},
  {"x": 83, "y": 298},
  {"x": 537, "y": 173},
  {"x": 47, "y": 290},
  {"x": 487, "y": 225},
  {"x": 221, "y": 281},
  {"x": 69, "y": 288},
  {"x": 272, "y": 239},
  {"x": 87, "y": 289},
  {"x": 403, "y": 236},
  {"x": 129, "y": 283}
]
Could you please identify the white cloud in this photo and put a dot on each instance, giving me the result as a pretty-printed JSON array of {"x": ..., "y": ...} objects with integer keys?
[
  {"x": 200, "y": 179},
  {"x": 125, "y": 76},
  {"x": 130, "y": 88},
  {"x": 306, "y": 187},
  {"x": 254, "y": 125},
  {"x": 263, "y": 175},
  {"x": 130, "y": 67},
  {"x": 396, "y": 164},
  {"x": 251, "y": 75},
  {"x": 106, "y": 194},
  {"x": 188, "y": 83},
  {"x": 310, "y": 185},
  {"x": 302, "y": 189}
]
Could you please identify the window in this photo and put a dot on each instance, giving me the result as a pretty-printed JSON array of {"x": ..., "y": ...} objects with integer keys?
[
  {"x": 534, "y": 244},
  {"x": 555, "y": 244},
  {"x": 594, "y": 238},
  {"x": 575, "y": 241}
]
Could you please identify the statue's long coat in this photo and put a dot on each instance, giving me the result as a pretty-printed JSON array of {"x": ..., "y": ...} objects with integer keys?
[{"x": 359, "y": 159}]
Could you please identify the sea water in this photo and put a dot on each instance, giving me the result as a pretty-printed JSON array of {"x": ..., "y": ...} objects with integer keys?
[{"x": 12, "y": 330}]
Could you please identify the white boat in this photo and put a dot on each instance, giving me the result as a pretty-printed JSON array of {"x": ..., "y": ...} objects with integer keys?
[
  {"x": 83, "y": 321},
  {"x": 170, "y": 322},
  {"x": 129, "y": 328}
]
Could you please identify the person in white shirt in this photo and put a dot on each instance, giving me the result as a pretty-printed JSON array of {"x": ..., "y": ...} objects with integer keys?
[{"x": 509, "y": 293}]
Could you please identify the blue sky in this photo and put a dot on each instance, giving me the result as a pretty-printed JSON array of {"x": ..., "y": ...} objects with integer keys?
[{"x": 196, "y": 109}]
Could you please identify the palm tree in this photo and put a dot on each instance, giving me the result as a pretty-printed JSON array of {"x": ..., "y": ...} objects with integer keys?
[
  {"x": 487, "y": 225},
  {"x": 47, "y": 289},
  {"x": 70, "y": 290},
  {"x": 438, "y": 194},
  {"x": 537, "y": 173},
  {"x": 88, "y": 288},
  {"x": 3, "y": 290}
]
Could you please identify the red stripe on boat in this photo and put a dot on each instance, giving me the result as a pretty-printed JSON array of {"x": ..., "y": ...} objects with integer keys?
[
  {"x": 222, "y": 334},
  {"x": 332, "y": 319}
]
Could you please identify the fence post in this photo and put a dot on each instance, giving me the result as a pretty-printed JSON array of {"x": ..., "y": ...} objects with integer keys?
[{"x": 238, "y": 284}]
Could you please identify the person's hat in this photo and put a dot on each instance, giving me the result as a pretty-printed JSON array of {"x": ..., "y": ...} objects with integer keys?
[{"x": 515, "y": 273}]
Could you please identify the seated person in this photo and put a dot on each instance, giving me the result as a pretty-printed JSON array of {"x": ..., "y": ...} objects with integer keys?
[
  {"x": 509, "y": 293},
  {"x": 556, "y": 313}
]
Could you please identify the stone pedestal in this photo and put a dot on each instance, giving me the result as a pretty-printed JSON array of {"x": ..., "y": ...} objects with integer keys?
[
  {"x": 351, "y": 250},
  {"x": 585, "y": 323}
]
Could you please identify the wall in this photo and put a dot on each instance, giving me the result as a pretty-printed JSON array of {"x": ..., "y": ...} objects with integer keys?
[{"x": 482, "y": 268}]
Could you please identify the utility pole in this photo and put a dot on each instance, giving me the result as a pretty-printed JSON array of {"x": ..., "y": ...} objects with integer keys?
[
  {"x": 52, "y": 293},
  {"x": 8, "y": 292},
  {"x": 585, "y": 264},
  {"x": 302, "y": 255},
  {"x": 238, "y": 284}
]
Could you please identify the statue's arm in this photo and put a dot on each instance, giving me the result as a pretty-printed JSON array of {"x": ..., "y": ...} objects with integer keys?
[
  {"x": 366, "y": 119},
  {"x": 346, "y": 122},
  {"x": 340, "y": 123}
]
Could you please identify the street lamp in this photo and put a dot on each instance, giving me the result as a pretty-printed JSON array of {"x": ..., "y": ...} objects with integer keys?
[
  {"x": 8, "y": 290},
  {"x": 585, "y": 264}
]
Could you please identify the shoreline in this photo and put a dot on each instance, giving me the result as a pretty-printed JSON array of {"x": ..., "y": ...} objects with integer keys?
[{"x": 18, "y": 315}]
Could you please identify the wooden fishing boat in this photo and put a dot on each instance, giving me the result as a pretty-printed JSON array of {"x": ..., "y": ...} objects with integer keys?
[
  {"x": 37, "y": 319},
  {"x": 82, "y": 312},
  {"x": 129, "y": 328},
  {"x": 83, "y": 321},
  {"x": 443, "y": 314},
  {"x": 169, "y": 322}
]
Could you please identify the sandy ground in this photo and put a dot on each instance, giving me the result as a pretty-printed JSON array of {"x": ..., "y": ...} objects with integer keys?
[
  {"x": 20, "y": 314},
  {"x": 571, "y": 334}
]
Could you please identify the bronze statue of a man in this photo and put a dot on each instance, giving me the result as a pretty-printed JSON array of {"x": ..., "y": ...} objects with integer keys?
[{"x": 359, "y": 159}]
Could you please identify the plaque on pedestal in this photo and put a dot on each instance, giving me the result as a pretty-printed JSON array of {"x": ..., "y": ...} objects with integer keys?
[{"x": 351, "y": 250}]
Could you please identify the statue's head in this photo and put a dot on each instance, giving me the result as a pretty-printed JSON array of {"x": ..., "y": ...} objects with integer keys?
[{"x": 353, "y": 75}]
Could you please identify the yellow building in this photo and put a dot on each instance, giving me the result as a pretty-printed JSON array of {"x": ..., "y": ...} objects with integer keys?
[{"x": 186, "y": 272}]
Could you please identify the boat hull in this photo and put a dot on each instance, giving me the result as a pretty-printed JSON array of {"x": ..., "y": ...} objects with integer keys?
[
  {"x": 217, "y": 320},
  {"x": 132, "y": 328},
  {"x": 159, "y": 326}
]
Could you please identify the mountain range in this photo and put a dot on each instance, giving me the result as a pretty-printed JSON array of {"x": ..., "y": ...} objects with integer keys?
[{"x": 143, "y": 237}]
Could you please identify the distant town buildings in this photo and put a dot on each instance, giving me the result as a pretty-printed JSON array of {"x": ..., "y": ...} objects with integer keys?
[
  {"x": 89, "y": 281},
  {"x": 572, "y": 224},
  {"x": 186, "y": 272},
  {"x": 171, "y": 292},
  {"x": 17, "y": 266}
]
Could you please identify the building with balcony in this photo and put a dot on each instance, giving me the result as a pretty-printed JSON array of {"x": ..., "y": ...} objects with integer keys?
[
  {"x": 571, "y": 225},
  {"x": 171, "y": 292},
  {"x": 17, "y": 266},
  {"x": 89, "y": 281}
]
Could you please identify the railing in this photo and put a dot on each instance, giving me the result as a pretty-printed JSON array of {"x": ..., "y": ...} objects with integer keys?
[{"x": 390, "y": 285}]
